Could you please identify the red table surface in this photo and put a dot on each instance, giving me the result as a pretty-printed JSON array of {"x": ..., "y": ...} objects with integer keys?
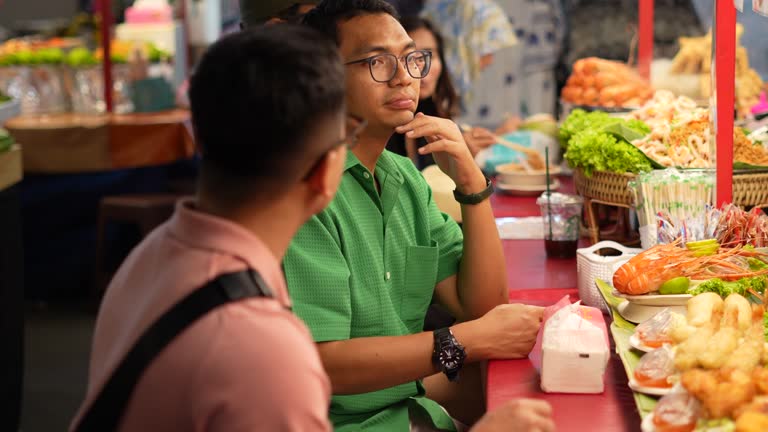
[
  {"x": 527, "y": 264},
  {"x": 535, "y": 279},
  {"x": 506, "y": 205}
]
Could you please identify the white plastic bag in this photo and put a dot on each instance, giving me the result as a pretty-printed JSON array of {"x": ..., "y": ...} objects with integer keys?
[{"x": 574, "y": 351}]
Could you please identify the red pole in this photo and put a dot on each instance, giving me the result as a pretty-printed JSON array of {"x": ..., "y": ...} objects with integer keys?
[
  {"x": 106, "y": 46},
  {"x": 723, "y": 71},
  {"x": 645, "y": 38}
]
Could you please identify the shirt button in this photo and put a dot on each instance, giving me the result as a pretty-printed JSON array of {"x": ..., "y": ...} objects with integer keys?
[
  {"x": 366, "y": 175},
  {"x": 387, "y": 276}
]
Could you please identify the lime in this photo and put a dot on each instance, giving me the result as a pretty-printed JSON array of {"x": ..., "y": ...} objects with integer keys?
[
  {"x": 678, "y": 285},
  {"x": 702, "y": 244}
]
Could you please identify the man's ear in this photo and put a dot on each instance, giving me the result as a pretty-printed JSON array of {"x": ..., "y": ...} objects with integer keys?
[{"x": 323, "y": 179}]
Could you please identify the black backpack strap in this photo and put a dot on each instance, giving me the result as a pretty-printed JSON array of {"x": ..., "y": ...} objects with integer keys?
[{"x": 107, "y": 410}]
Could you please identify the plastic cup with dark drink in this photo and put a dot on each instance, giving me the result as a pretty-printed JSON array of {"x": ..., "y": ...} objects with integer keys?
[{"x": 561, "y": 215}]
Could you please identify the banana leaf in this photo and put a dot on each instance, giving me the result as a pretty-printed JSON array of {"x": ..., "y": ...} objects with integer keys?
[{"x": 622, "y": 131}]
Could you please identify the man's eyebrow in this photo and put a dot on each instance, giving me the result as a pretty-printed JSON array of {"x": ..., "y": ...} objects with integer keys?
[
  {"x": 370, "y": 49},
  {"x": 381, "y": 49}
]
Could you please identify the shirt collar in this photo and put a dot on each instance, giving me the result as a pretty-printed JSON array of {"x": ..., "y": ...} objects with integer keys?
[
  {"x": 211, "y": 233},
  {"x": 385, "y": 164}
]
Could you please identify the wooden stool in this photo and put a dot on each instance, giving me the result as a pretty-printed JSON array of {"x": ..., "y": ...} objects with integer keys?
[{"x": 146, "y": 211}]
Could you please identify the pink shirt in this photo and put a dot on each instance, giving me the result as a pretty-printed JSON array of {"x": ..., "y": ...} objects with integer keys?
[{"x": 246, "y": 366}]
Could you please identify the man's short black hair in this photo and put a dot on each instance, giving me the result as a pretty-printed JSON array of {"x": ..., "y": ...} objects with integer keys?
[
  {"x": 327, "y": 15},
  {"x": 254, "y": 97}
]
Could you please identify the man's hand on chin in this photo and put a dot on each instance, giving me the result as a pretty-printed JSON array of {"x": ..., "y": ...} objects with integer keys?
[{"x": 447, "y": 146}]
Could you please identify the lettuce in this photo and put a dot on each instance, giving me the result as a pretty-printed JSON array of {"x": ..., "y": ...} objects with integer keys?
[
  {"x": 598, "y": 151},
  {"x": 596, "y": 141},
  {"x": 724, "y": 289}
]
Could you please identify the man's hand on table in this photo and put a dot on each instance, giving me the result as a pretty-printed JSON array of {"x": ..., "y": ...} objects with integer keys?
[
  {"x": 528, "y": 415},
  {"x": 507, "y": 331}
]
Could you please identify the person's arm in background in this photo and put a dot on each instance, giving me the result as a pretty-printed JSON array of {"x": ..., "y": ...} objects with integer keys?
[
  {"x": 478, "y": 139},
  {"x": 518, "y": 415}
]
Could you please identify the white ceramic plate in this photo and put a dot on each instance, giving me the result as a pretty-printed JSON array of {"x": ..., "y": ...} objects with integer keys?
[
  {"x": 653, "y": 391},
  {"x": 647, "y": 424},
  {"x": 655, "y": 299},
  {"x": 637, "y": 313},
  {"x": 636, "y": 343},
  {"x": 527, "y": 190}
]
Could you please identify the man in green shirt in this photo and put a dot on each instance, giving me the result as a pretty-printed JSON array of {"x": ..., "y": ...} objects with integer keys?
[{"x": 362, "y": 273}]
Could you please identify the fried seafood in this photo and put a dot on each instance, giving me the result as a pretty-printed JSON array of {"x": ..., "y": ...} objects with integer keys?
[
  {"x": 753, "y": 416},
  {"x": 750, "y": 352},
  {"x": 722, "y": 344},
  {"x": 721, "y": 391},
  {"x": 689, "y": 352}
]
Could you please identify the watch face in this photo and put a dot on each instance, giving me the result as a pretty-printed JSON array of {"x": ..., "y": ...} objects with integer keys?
[{"x": 451, "y": 358}]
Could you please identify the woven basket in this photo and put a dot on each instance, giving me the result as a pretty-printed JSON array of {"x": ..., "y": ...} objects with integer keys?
[
  {"x": 605, "y": 187},
  {"x": 591, "y": 267},
  {"x": 748, "y": 189}
]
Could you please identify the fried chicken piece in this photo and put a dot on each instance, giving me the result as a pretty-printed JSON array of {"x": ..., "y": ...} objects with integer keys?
[{"x": 721, "y": 391}]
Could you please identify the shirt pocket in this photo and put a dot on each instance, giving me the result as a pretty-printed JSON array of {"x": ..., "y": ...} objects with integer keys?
[{"x": 420, "y": 280}]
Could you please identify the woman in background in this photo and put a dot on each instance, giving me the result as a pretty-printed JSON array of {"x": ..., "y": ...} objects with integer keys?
[{"x": 437, "y": 97}]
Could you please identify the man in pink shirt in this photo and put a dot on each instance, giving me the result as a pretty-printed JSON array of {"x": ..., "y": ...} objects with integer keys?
[
  {"x": 273, "y": 140},
  {"x": 271, "y": 125}
]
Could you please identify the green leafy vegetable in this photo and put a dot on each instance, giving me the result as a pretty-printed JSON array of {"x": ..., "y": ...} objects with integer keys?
[
  {"x": 756, "y": 264},
  {"x": 598, "y": 151},
  {"x": 724, "y": 289},
  {"x": 596, "y": 141},
  {"x": 765, "y": 325}
]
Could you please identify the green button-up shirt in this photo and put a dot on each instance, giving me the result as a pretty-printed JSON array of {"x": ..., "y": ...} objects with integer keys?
[{"x": 367, "y": 266}]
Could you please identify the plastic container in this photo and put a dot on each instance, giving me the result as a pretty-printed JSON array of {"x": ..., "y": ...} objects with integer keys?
[
  {"x": 591, "y": 267},
  {"x": 561, "y": 215}
]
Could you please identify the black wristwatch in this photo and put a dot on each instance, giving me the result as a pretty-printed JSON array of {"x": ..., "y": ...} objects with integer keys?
[
  {"x": 476, "y": 198},
  {"x": 448, "y": 354}
]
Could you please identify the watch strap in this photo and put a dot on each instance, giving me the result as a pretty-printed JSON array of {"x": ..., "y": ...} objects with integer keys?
[
  {"x": 475, "y": 198},
  {"x": 444, "y": 338}
]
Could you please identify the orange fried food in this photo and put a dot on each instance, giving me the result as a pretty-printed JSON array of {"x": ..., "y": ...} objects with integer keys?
[
  {"x": 760, "y": 376},
  {"x": 721, "y": 391},
  {"x": 752, "y": 422},
  {"x": 753, "y": 417}
]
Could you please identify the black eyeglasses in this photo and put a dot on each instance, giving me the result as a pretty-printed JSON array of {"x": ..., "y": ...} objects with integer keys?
[
  {"x": 383, "y": 67},
  {"x": 354, "y": 127}
]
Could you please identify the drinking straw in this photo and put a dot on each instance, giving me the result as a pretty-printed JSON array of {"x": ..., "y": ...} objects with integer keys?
[{"x": 549, "y": 194}]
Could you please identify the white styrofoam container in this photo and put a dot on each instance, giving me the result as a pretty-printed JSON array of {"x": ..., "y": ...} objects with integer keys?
[{"x": 591, "y": 267}]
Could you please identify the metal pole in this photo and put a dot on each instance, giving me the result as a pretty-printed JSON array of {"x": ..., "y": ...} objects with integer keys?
[
  {"x": 106, "y": 45},
  {"x": 645, "y": 38},
  {"x": 723, "y": 82}
]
